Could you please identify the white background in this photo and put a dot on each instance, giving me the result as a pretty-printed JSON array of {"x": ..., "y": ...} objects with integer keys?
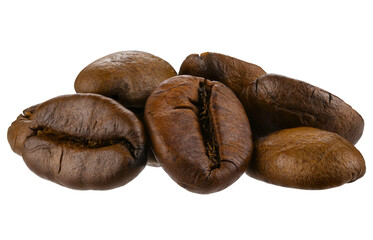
[{"x": 44, "y": 45}]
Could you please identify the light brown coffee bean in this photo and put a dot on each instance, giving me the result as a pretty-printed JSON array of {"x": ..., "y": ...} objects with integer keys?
[{"x": 306, "y": 158}]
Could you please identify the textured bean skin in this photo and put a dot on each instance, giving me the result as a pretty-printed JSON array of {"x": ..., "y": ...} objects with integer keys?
[
  {"x": 128, "y": 77},
  {"x": 81, "y": 141},
  {"x": 234, "y": 73},
  {"x": 306, "y": 158},
  {"x": 275, "y": 102},
  {"x": 199, "y": 133},
  {"x": 21, "y": 129}
]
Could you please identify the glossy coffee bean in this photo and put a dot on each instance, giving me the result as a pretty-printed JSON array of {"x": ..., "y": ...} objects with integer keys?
[
  {"x": 199, "y": 133},
  {"x": 234, "y": 73},
  {"x": 306, "y": 158},
  {"x": 128, "y": 77},
  {"x": 81, "y": 141},
  {"x": 275, "y": 102}
]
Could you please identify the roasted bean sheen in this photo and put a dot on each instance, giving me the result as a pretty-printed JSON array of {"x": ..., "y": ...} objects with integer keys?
[
  {"x": 128, "y": 77},
  {"x": 234, "y": 73},
  {"x": 275, "y": 102},
  {"x": 306, "y": 158},
  {"x": 199, "y": 133},
  {"x": 81, "y": 141}
]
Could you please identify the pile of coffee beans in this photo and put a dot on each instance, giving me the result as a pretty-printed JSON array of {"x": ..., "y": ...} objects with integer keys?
[{"x": 206, "y": 126}]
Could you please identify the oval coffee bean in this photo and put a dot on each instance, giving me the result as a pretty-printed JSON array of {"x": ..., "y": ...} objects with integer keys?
[
  {"x": 128, "y": 77},
  {"x": 234, "y": 73},
  {"x": 81, "y": 141},
  {"x": 199, "y": 133},
  {"x": 275, "y": 102},
  {"x": 306, "y": 158}
]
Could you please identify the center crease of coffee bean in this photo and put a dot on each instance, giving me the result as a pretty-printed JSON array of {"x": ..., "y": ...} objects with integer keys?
[
  {"x": 80, "y": 142},
  {"x": 206, "y": 125}
]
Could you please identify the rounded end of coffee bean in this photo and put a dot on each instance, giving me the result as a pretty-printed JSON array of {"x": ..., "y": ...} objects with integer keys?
[
  {"x": 21, "y": 129},
  {"x": 192, "y": 65},
  {"x": 234, "y": 73}
]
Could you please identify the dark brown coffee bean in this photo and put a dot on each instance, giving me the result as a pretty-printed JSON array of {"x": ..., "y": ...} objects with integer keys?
[
  {"x": 199, "y": 133},
  {"x": 128, "y": 77},
  {"x": 81, "y": 141},
  {"x": 234, "y": 73},
  {"x": 306, "y": 158},
  {"x": 275, "y": 102}
]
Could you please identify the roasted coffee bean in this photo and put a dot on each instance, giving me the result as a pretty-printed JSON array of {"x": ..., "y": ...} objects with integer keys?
[
  {"x": 234, "y": 73},
  {"x": 128, "y": 77},
  {"x": 275, "y": 102},
  {"x": 81, "y": 141},
  {"x": 306, "y": 158},
  {"x": 199, "y": 133}
]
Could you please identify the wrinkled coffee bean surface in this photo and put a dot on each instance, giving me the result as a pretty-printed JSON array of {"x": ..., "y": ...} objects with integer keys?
[
  {"x": 21, "y": 129},
  {"x": 197, "y": 123},
  {"x": 275, "y": 102},
  {"x": 81, "y": 141},
  {"x": 199, "y": 133}
]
